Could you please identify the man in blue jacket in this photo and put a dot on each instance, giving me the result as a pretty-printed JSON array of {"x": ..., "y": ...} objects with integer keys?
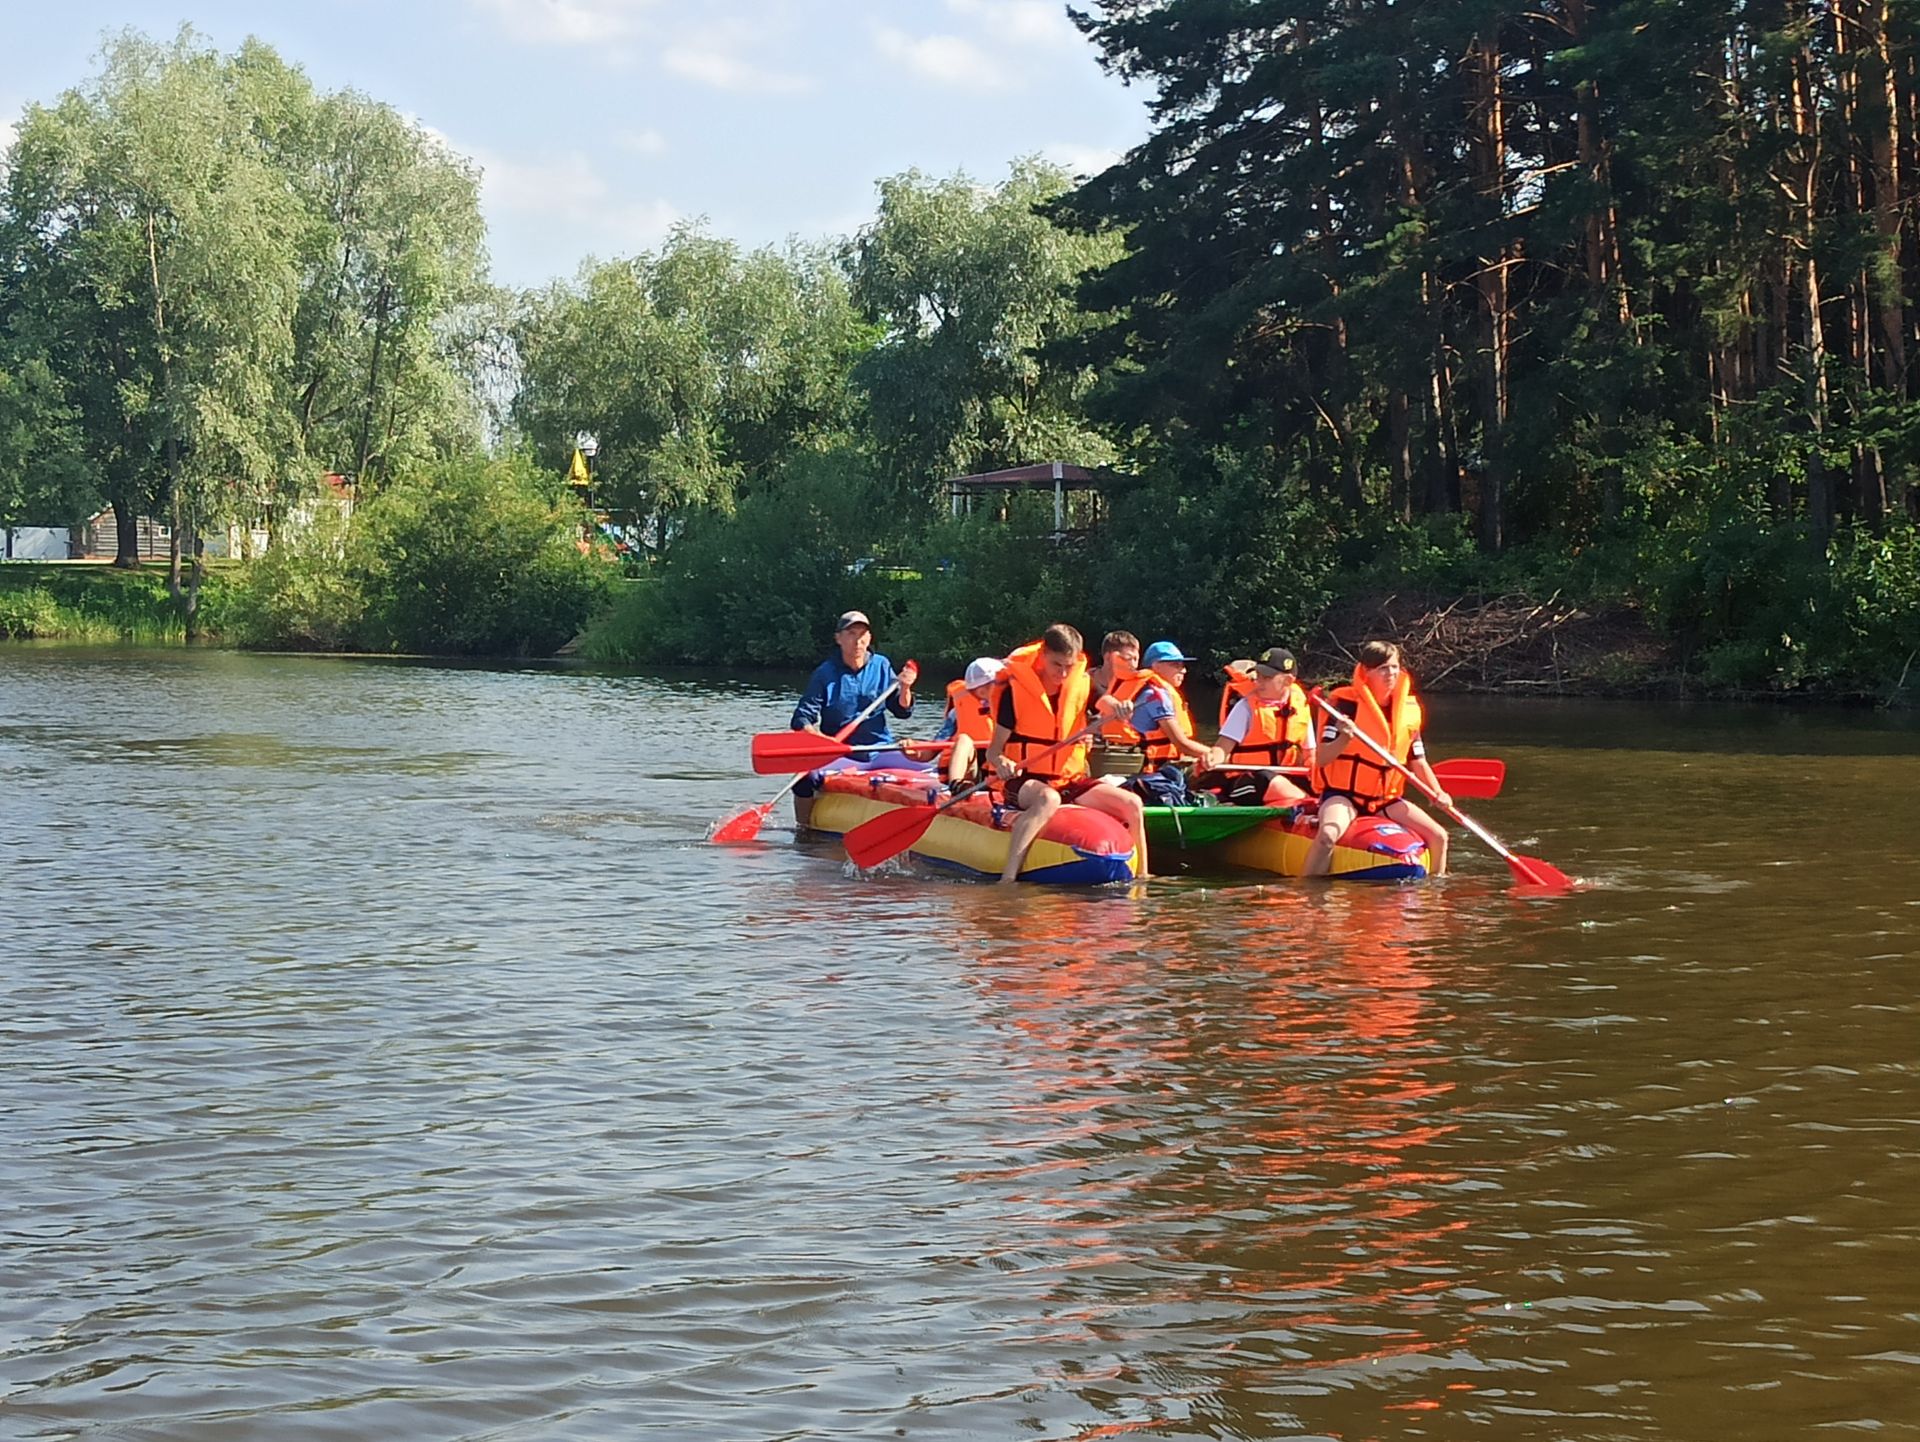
[{"x": 847, "y": 683}]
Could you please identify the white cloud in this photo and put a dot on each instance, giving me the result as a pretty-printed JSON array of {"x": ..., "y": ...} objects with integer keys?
[
  {"x": 567, "y": 22},
  {"x": 642, "y": 142},
  {"x": 1037, "y": 23},
  {"x": 943, "y": 59},
  {"x": 566, "y": 189},
  {"x": 1079, "y": 159},
  {"x": 711, "y": 65},
  {"x": 563, "y": 184}
]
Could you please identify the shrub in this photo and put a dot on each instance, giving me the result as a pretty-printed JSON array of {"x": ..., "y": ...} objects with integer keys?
[
  {"x": 28, "y": 613},
  {"x": 760, "y": 587},
  {"x": 470, "y": 557}
]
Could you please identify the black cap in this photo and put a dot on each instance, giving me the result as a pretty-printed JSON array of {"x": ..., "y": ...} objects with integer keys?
[{"x": 1275, "y": 661}]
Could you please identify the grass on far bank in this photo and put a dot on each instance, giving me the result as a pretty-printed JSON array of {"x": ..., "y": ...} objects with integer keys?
[{"x": 93, "y": 602}]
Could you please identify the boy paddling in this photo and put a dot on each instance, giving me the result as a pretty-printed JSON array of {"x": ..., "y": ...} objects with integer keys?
[{"x": 1352, "y": 781}]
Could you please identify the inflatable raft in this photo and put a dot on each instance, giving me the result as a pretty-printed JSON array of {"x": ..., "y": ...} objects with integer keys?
[
  {"x": 1078, "y": 848},
  {"x": 1267, "y": 838}
]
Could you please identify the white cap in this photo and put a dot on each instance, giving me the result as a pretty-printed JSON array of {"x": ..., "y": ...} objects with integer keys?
[{"x": 983, "y": 671}]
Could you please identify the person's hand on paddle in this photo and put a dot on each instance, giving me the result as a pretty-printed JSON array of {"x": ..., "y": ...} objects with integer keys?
[
  {"x": 1113, "y": 708},
  {"x": 909, "y": 673},
  {"x": 1006, "y": 769}
]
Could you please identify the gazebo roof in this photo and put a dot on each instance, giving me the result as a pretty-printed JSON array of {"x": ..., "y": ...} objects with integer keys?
[{"x": 1046, "y": 476}]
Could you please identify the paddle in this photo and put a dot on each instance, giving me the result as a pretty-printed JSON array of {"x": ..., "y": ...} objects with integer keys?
[
  {"x": 744, "y": 826},
  {"x": 1528, "y": 870},
  {"x": 1462, "y": 776},
  {"x": 892, "y": 832},
  {"x": 777, "y": 752}
]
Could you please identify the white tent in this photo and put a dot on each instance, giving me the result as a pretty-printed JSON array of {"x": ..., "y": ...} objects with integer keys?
[{"x": 36, "y": 543}]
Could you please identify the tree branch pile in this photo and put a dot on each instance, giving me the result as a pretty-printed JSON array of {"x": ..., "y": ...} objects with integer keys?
[{"x": 1511, "y": 644}]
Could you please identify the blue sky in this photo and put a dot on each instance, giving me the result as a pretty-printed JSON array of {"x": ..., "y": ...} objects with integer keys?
[{"x": 600, "y": 123}]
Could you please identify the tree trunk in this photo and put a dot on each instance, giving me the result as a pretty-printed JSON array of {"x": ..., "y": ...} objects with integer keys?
[
  {"x": 1488, "y": 129},
  {"x": 373, "y": 385},
  {"x": 1880, "y": 115},
  {"x": 126, "y": 535},
  {"x": 1813, "y": 332},
  {"x": 1400, "y": 455}
]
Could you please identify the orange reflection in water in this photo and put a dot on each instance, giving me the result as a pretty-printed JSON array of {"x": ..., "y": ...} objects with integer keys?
[{"x": 1236, "y": 1147}]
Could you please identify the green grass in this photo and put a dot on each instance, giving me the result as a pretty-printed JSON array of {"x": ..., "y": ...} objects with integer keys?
[{"x": 50, "y": 601}]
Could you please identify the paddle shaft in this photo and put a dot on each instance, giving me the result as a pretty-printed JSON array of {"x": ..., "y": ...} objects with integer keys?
[
  {"x": 775, "y": 752},
  {"x": 1468, "y": 778}
]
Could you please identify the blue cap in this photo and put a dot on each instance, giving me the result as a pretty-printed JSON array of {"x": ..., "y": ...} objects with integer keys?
[{"x": 1163, "y": 651}]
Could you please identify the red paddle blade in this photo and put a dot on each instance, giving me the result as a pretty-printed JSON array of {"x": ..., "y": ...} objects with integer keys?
[
  {"x": 778, "y": 752},
  {"x": 1532, "y": 871},
  {"x": 1471, "y": 778},
  {"x": 887, "y": 835},
  {"x": 742, "y": 826}
]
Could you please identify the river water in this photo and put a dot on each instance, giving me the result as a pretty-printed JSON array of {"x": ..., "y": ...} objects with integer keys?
[{"x": 385, "y": 1055}]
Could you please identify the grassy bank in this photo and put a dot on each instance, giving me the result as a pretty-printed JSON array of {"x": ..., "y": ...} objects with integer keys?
[{"x": 75, "y": 601}]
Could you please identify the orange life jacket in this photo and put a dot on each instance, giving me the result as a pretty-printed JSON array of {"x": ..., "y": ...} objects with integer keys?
[
  {"x": 972, "y": 717},
  {"x": 1159, "y": 746},
  {"x": 1239, "y": 683},
  {"x": 1356, "y": 770},
  {"x": 1115, "y": 731},
  {"x": 1277, "y": 731},
  {"x": 1040, "y": 720}
]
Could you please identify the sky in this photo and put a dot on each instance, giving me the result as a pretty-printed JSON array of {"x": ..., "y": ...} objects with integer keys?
[{"x": 600, "y": 124}]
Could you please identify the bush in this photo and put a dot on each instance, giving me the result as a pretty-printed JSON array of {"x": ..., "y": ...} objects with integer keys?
[
  {"x": 28, "y": 613},
  {"x": 300, "y": 596},
  {"x": 1217, "y": 554},
  {"x": 761, "y": 587},
  {"x": 985, "y": 587},
  {"x": 468, "y": 558}
]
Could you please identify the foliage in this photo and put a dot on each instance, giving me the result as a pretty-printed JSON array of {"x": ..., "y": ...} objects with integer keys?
[
  {"x": 215, "y": 283},
  {"x": 1205, "y": 548},
  {"x": 969, "y": 568},
  {"x": 969, "y": 286},
  {"x": 761, "y": 586},
  {"x": 464, "y": 558},
  {"x": 301, "y": 595},
  {"x": 700, "y": 371},
  {"x": 62, "y": 602},
  {"x": 43, "y": 479}
]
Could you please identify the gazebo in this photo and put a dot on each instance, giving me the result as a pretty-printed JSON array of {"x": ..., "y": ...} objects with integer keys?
[{"x": 1055, "y": 476}]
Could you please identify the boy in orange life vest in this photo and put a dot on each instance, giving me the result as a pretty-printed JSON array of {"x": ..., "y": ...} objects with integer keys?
[
  {"x": 1043, "y": 700},
  {"x": 969, "y": 719},
  {"x": 1119, "y": 662},
  {"x": 1270, "y": 723},
  {"x": 1352, "y": 780},
  {"x": 1160, "y": 715}
]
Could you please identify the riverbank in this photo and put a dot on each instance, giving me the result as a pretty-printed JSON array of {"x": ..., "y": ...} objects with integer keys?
[
  {"x": 1511, "y": 644},
  {"x": 90, "y": 602}
]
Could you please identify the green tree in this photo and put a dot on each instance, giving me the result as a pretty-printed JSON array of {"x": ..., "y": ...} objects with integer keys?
[
  {"x": 390, "y": 248},
  {"x": 970, "y": 286},
  {"x": 142, "y": 212},
  {"x": 700, "y": 370}
]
